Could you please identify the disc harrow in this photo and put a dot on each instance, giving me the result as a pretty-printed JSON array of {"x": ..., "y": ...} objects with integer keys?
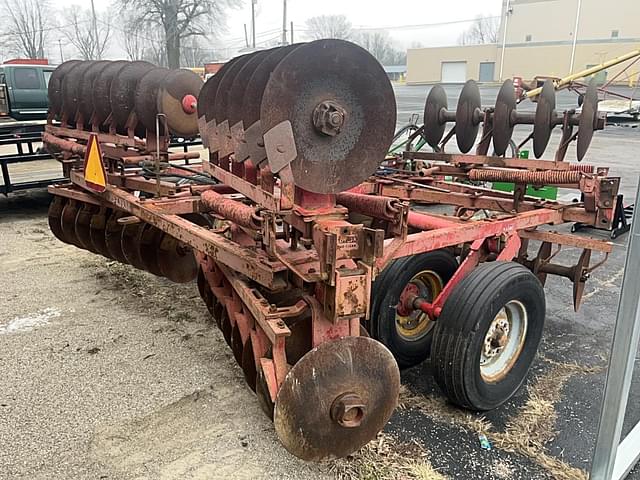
[
  {"x": 498, "y": 122},
  {"x": 300, "y": 231},
  {"x": 124, "y": 98},
  {"x": 117, "y": 236}
]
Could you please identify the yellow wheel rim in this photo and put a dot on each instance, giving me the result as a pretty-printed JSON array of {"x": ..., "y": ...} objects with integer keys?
[{"x": 417, "y": 323}]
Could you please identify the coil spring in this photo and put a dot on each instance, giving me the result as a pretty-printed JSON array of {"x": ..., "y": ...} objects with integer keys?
[
  {"x": 372, "y": 206},
  {"x": 586, "y": 168},
  {"x": 556, "y": 177}
]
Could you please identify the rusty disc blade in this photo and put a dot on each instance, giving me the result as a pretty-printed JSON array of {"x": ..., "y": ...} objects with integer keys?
[
  {"x": 97, "y": 228},
  {"x": 588, "y": 118},
  {"x": 201, "y": 282},
  {"x": 210, "y": 301},
  {"x": 224, "y": 88},
  {"x": 298, "y": 344},
  {"x": 502, "y": 124},
  {"x": 68, "y": 222},
  {"x": 55, "y": 217},
  {"x": 346, "y": 76},
  {"x": 112, "y": 235},
  {"x": 85, "y": 100},
  {"x": 149, "y": 242},
  {"x": 177, "y": 99},
  {"x": 434, "y": 126},
  {"x": 578, "y": 279},
  {"x": 176, "y": 260},
  {"x": 543, "y": 123},
  {"x": 249, "y": 364},
  {"x": 218, "y": 312},
  {"x": 129, "y": 242},
  {"x": 239, "y": 86},
  {"x": 71, "y": 91},
  {"x": 83, "y": 226},
  {"x": 207, "y": 97},
  {"x": 262, "y": 392},
  {"x": 204, "y": 289},
  {"x": 123, "y": 92},
  {"x": 258, "y": 82},
  {"x": 54, "y": 89},
  {"x": 237, "y": 345},
  {"x": 467, "y": 121},
  {"x": 225, "y": 326},
  {"x": 353, "y": 384},
  {"x": 102, "y": 89},
  {"x": 544, "y": 252},
  {"x": 146, "y": 97}
]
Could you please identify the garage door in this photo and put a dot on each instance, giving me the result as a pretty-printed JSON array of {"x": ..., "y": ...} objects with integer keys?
[{"x": 454, "y": 72}]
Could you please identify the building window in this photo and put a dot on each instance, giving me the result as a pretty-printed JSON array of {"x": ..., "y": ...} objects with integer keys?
[
  {"x": 527, "y": 38},
  {"x": 614, "y": 33}
]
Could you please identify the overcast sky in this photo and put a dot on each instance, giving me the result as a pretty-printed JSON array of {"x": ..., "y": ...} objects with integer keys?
[{"x": 393, "y": 15}]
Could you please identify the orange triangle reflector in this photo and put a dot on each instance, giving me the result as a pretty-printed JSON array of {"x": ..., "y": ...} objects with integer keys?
[{"x": 94, "y": 173}]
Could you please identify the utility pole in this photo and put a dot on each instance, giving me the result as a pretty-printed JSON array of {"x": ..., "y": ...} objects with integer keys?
[
  {"x": 291, "y": 33},
  {"x": 284, "y": 22},
  {"x": 60, "y": 46},
  {"x": 504, "y": 36},
  {"x": 253, "y": 23},
  {"x": 246, "y": 37},
  {"x": 95, "y": 30},
  {"x": 575, "y": 37}
]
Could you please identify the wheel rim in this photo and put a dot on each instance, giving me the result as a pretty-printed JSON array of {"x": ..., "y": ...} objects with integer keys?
[
  {"x": 503, "y": 341},
  {"x": 413, "y": 324}
]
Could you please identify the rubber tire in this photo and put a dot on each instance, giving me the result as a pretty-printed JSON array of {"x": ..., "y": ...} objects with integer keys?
[
  {"x": 461, "y": 328},
  {"x": 387, "y": 289}
]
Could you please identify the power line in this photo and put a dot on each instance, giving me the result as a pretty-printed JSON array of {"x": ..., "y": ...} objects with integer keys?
[
  {"x": 424, "y": 25},
  {"x": 40, "y": 30}
]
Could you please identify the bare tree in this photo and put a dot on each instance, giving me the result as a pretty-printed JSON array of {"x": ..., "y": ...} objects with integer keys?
[
  {"x": 380, "y": 45},
  {"x": 180, "y": 20},
  {"x": 79, "y": 28},
  {"x": 329, "y": 26},
  {"x": 28, "y": 24},
  {"x": 194, "y": 54},
  {"x": 133, "y": 41},
  {"x": 482, "y": 30},
  {"x": 142, "y": 43}
]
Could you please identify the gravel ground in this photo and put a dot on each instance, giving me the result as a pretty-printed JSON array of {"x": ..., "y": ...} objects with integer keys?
[{"x": 110, "y": 373}]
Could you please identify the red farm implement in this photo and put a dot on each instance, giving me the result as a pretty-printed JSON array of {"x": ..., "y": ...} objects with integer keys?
[{"x": 312, "y": 249}]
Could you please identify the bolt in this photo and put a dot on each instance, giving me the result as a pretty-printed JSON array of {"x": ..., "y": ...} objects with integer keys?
[
  {"x": 348, "y": 410},
  {"x": 328, "y": 118},
  {"x": 336, "y": 119}
]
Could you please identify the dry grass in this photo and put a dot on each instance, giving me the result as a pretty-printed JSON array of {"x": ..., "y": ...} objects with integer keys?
[
  {"x": 443, "y": 412},
  {"x": 386, "y": 459},
  {"x": 528, "y": 432}
]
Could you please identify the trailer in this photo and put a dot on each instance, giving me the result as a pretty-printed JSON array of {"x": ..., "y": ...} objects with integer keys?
[{"x": 310, "y": 246}]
